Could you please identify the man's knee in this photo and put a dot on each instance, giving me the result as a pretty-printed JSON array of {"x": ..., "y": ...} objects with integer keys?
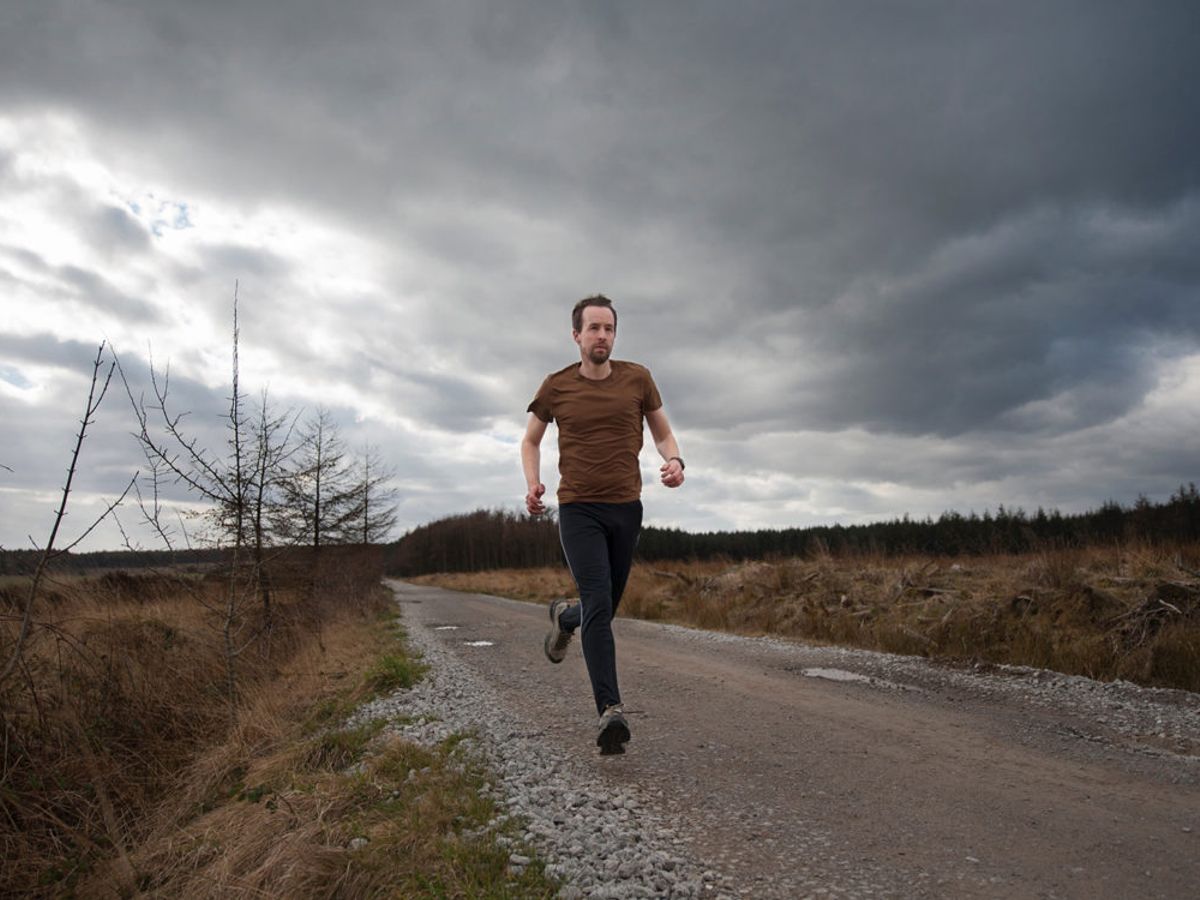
[
  {"x": 597, "y": 609},
  {"x": 593, "y": 580}
]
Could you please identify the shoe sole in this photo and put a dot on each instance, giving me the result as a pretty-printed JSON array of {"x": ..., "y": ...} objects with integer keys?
[
  {"x": 546, "y": 648},
  {"x": 551, "y": 637},
  {"x": 613, "y": 738}
]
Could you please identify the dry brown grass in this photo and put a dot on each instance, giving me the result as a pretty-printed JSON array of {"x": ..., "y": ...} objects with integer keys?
[
  {"x": 1127, "y": 612},
  {"x": 521, "y": 584},
  {"x": 124, "y": 772},
  {"x": 290, "y": 829},
  {"x": 120, "y": 687},
  {"x": 272, "y": 810}
]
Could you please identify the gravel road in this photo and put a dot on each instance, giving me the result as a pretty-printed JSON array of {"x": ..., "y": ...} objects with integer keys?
[{"x": 769, "y": 768}]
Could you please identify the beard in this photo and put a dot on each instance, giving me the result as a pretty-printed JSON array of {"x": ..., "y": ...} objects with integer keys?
[{"x": 598, "y": 355}]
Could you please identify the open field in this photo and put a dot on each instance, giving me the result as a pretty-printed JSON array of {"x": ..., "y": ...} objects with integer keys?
[
  {"x": 1109, "y": 613},
  {"x": 125, "y": 768}
]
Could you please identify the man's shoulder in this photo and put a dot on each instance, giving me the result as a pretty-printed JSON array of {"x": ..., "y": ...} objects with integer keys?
[
  {"x": 629, "y": 368},
  {"x": 632, "y": 373},
  {"x": 565, "y": 372}
]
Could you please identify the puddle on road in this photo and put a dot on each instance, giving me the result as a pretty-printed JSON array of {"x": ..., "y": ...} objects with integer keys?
[
  {"x": 844, "y": 676},
  {"x": 835, "y": 675},
  {"x": 480, "y": 643}
]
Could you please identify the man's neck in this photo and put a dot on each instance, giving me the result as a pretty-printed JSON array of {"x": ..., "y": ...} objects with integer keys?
[{"x": 593, "y": 372}]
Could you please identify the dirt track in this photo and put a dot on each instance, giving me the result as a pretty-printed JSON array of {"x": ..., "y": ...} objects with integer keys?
[{"x": 800, "y": 769}]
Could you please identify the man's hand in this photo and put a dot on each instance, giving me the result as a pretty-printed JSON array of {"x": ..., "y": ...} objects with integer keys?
[
  {"x": 672, "y": 473},
  {"x": 533, "y": 500}
]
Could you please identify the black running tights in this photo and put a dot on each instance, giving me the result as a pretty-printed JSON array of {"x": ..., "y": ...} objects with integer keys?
[{"x": 598, "y": 540}]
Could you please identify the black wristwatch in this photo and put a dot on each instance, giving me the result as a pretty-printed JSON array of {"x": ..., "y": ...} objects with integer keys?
[{"x": 679, "y": 459}]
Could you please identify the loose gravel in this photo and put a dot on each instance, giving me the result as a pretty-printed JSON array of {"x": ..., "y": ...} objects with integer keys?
[{"x": 598, "y": 840}]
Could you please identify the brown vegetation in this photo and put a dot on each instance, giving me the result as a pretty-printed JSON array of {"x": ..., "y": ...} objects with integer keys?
[
  {"x": 122, "y": 770},
  {"x": 1107, "y": 613}
]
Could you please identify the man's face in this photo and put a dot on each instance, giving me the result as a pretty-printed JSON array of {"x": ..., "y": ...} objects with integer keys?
[{"x": 598, "y": 335}]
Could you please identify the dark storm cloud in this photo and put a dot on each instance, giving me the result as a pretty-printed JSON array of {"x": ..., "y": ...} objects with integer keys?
[
  {"x": 941, "y": 113},
  {"x": 769, "y": 125},
  {"x": 1057, "y": 307}
]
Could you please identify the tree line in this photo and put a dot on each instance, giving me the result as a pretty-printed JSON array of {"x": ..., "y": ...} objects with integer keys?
[
  {"x": 491, "y": 539},
  {"x": 472, "y": 542},
  {"x": 23, "y": 562}
]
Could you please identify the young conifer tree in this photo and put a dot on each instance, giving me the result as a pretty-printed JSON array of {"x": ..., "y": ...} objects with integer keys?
[
  {"x": 317, "y": 491},
  {"x": 372, "y": 515}
]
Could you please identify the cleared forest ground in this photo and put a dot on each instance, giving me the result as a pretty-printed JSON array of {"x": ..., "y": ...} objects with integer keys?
[{"x": 1128, "y": 613}]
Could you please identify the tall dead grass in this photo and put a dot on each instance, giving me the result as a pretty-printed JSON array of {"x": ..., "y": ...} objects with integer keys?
[
  {"x": 294, "y": 803},
  {"x": 342, "y": 814},
  {"x": 125, "y": 775},
  {"x": 121, "y": 688},
  {"x": 1130, "y": 612}
]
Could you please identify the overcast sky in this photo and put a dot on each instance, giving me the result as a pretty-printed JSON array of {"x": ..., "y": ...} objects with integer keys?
[{"x": 881, "y": 258}]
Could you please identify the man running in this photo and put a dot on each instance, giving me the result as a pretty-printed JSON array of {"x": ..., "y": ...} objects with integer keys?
[{"x": 599, "y": 404}]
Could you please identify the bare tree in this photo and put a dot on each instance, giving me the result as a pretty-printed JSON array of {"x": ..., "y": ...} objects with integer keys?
[
  {"x": 226, "y": 481},
  {"x": 372, "y": 516},
  {"x": 49, "y": 552},
  {"x": 272, "y": 437}
]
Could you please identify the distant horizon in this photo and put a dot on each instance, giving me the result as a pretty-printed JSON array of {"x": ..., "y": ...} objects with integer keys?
[{"x": 1011, "y": 509}]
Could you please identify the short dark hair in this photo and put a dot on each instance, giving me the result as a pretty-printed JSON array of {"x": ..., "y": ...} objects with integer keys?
[{"x": 594, "y": 300}]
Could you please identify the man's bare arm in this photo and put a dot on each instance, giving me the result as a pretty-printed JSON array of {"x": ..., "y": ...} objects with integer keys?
[
  {"x": 664, "y": 440},
  {"x": 531, "y": 462}
]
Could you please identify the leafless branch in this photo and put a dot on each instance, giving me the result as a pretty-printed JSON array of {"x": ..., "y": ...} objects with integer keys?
[
  {"x": 107, "y": 511},
  {"x": 190, "y": 465},
  {"x": 94, "y": 400},
  {"x": 153, "y": 515}
]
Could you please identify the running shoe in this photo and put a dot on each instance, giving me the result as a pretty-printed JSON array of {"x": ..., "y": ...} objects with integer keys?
[
  {"x": 614, "y": 731},
  {"x": 557, "y": 639}
]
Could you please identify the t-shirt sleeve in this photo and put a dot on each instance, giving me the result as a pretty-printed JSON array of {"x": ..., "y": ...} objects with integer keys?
[
  {"x": 540, "y": 406},
  {"x": 650, "y": 398}
]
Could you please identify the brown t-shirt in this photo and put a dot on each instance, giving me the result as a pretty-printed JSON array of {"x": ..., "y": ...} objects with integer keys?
[{"x": 599, "y": 430}]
